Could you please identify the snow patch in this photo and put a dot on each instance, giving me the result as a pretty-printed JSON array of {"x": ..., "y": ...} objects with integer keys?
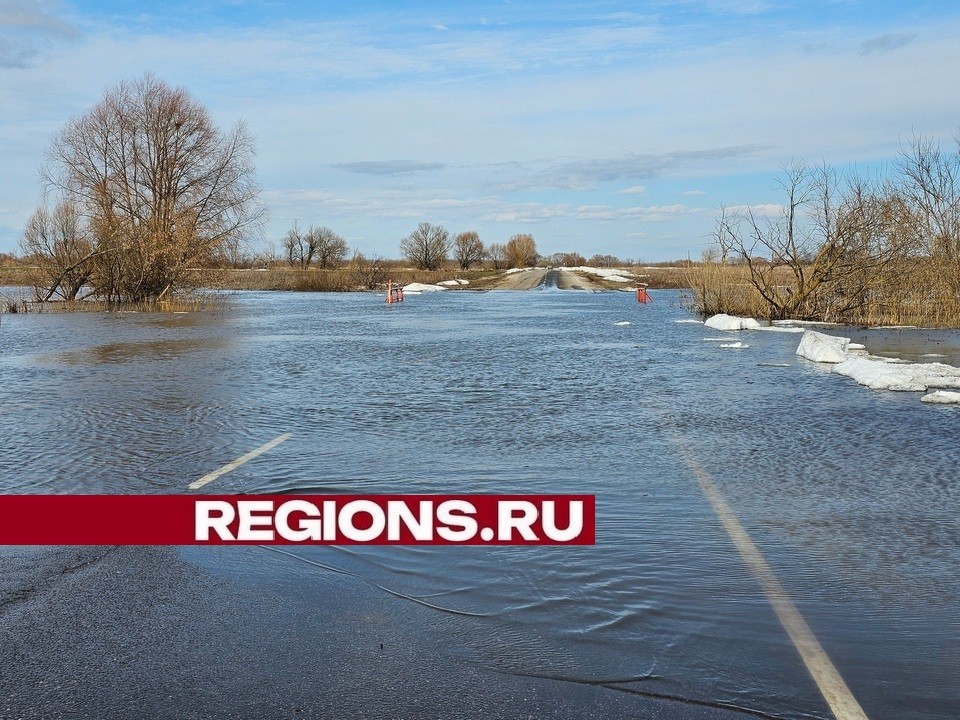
[
  {"x": 823, "y": 348},
  {"x": 611, "y": 274},
  {"x": 422, "y": 287},
  {"x": 731, "y": 322},
  {"x": 453, "y": 283}
]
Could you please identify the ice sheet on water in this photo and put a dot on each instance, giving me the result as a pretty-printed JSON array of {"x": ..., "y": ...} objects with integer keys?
[
  {"x": 878, "y": 373},
  {"x": 942, "y": 397}
]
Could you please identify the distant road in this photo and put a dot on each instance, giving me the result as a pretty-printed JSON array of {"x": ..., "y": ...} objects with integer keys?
[{"x": 543, "y": 277}]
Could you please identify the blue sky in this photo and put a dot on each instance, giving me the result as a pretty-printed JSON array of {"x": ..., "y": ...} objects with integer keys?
[{"x": 605, "y": 127}]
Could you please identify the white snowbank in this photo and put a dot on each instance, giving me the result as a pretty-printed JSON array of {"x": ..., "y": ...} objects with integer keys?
[
  {"x": 511, "y": 271},
  {"x": 611, "y": 274},
  {"x": 622, "y": 324},
  {"x": 877, "y": 373},
  {"x": 731, "y": 322},
  {"x": 453, "y": 283},
  {"x": 823, "y": 348},
  {"x": 736, "y": 345},
  {"x": 942, "y": 397},
  {"x": 882, "y": 374},
  {"x": 421, "y": 287}
]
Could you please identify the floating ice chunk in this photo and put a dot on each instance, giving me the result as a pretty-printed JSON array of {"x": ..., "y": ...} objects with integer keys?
[
  {"x": 685, "y": 322},
  {"x": 453, "y": 283},
  {"x": 731, "y": 322},
  {"x": 736, "y": 345},
  {"x": 823, "y": 348},
  {"x": 942, "y": 397},
  {"x": 422, "y": 287},
  {"x": 856, "y": 346},
  {"x": 879, "y": 374},
  {"x": 622, "y": 324}
]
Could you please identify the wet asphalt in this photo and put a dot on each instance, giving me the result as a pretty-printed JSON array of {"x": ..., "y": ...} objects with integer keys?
[{"x": 143, "y": 632}]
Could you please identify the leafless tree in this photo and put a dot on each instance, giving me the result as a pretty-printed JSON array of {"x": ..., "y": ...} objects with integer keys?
[
  {"x": 299, "y": 247},
  {"x": 824, "y": 253},
  {"x": 568, "y": 259},
  {"x": 427, "y": 246},
  {"x": 160, "y": 186},
  {"x": 59, "y": 243},
  {"x": 331, "y": 249},
  {"x": 367, "y": 273},
  {"x": 521, "y": 251},
  {"x": 604, "y": 261},
  {"x": 497, "y": 254},
  {"x": 468, "y": 249}
]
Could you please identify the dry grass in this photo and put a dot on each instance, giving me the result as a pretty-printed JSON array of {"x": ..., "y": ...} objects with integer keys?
[
  {"x": 315, "y": 280},
  {"x": 918, "y": 293}
]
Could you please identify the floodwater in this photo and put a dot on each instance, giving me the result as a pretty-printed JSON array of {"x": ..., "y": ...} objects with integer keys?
[{"x": 851, "y": 495}]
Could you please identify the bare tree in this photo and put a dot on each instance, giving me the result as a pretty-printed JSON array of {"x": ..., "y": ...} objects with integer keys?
[
  {"x": 521, "y": 251},
  {"x": 299, "y": 246},
  {"x": 427, "y": 246},
  {"x": 161, "y": 187},
  {"x": 468, "y": 249},
  {"x": 604, "y": 261},
  {"x": 823, "y": 254},
  {"x": 367, "y": 273},
  {"x": 497, "y": 254},
  {"x": 331, "y": 249},
  {"x": 58, "y": 242},
  {"x": 931, "y": 185},
  {"x": 568, "y": 259}
]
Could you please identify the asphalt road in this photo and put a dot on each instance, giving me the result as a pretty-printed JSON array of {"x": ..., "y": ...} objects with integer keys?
[{"x": 139, "y": 632}]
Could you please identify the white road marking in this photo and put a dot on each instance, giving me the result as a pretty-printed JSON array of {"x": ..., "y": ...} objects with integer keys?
[
  {"x": 210, "y": 477},
  {"x": 834, "y": 690}
]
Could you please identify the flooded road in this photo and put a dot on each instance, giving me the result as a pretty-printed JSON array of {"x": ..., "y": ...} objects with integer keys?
[{"x": 850, "y": 495}]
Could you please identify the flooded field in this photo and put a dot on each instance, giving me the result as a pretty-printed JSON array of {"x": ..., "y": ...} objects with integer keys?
[{"x": 851, "y": 495}]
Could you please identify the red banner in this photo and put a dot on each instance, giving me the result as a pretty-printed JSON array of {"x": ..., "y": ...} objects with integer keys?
[{"x": 297, "y": 519}]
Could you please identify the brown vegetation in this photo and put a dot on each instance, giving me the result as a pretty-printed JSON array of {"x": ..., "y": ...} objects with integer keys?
[
  {"x": 149, "y": 187},
  {"x": 845, "y": 251}
]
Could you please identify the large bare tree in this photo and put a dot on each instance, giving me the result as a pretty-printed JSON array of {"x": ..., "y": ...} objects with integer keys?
[
  {"x": 497, "y": 253},
  {"x": 521, "y": 251},
  {"x": 161, "y": 187},
  {"x": 468, "y": 249},
  {"x": 427, "y": 246},
  {"x": 331, "y": 249},
  {"x": 824, "y": 252}
]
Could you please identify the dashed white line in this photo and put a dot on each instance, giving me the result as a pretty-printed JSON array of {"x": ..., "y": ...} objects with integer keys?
[
  {"x": 843, "y": 704},
  {"x": 210, "y": 477}
]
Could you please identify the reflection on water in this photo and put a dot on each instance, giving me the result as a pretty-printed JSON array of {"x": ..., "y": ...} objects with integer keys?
[{"x": 850, "y": 494}]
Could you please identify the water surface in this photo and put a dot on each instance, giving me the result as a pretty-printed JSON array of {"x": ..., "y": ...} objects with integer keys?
[{"x": 851, "y": 494}]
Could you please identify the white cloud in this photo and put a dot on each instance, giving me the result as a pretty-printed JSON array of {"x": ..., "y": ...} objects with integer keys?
[{"x": 635, "y": 190}]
